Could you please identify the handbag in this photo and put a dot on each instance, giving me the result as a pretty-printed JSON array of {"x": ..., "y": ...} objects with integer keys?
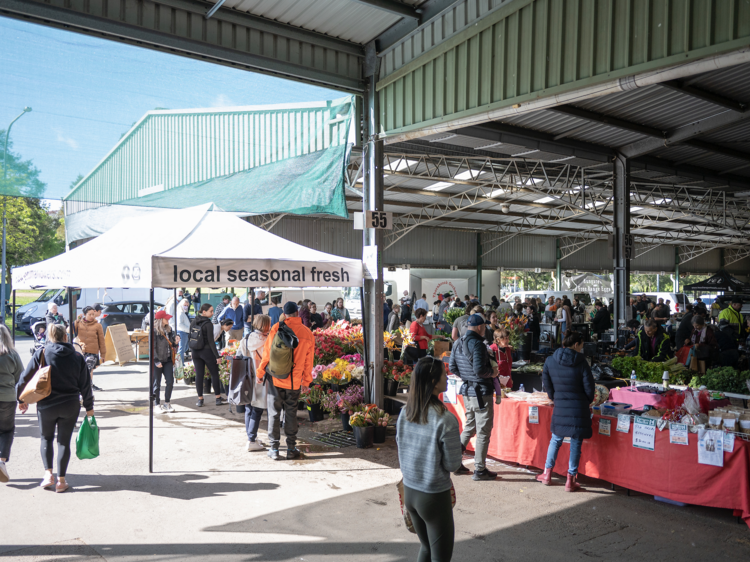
[
  {"x": 87, "y": 442},
  {"x": 241, "y": 387},
  {"x": 261, "y": 392},
  {"x": 40, "y": 385}
]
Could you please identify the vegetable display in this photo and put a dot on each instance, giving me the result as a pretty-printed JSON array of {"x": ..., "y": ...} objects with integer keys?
[
  {"x": 724, "y": 379},
  {"x": 652, "y": 372}
]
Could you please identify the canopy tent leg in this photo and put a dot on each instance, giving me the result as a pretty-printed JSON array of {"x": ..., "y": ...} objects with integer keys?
[
  {"x": 623, "y": 241},
  {"x": 151, "y": 378},
  {"x": 71, "y": 313},
  {"x": 13, "y": 317}
]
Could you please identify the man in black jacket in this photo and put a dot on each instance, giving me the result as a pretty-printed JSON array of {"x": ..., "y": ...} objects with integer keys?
[
  {"x": 653, "y": 343},
  {"x": 682, "y": 336},
  {"x": 471, "y": 361},
  {"x": 602, "y": 321}
]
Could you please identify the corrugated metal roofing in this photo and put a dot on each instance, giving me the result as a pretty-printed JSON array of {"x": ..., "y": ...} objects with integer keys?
[{"x": 343, "y": 19}]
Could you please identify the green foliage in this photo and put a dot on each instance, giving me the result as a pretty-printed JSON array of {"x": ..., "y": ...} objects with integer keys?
[
  {"x": 649, "y": 371},
  {"x": 451, "y": 314},
  {"x": 724, "y": 379}
]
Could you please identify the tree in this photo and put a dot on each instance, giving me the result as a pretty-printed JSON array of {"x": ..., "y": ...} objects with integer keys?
[{"x": 32, "y": 229}]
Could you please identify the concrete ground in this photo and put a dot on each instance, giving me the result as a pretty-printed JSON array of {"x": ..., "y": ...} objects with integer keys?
[{"x": 209, "y": 499}]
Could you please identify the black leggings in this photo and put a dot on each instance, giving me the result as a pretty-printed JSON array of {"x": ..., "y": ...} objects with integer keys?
[
  {"x": 63, "y": 417},
  {"x": 201, "y": 359},
  {"x": 432, "y": 516},
  {"x": 166, "y": 369}
]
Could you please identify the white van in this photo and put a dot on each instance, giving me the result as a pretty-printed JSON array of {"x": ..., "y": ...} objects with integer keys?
[{"x": 35, "y": 311}]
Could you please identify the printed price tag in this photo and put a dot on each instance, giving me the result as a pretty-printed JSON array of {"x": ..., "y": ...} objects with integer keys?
[
  {"x": 678, "y": 433},
  {"x": 605, "y": 427},
  {"x": 623, "y": 423},
  {"x": 449, "y": 396},
  {"x": 729, "y": 442},
  {"x": 533, "y": 414},
  {"x": 644, "y": 433}
]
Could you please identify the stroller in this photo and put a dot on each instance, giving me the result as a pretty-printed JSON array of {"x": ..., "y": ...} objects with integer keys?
[{"x": 39, "y": 333}]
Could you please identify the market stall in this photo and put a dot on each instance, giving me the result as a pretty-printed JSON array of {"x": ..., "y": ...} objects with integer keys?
[
  {"x": 631, "y": 452},
  {"x": 188, "y": 247}
]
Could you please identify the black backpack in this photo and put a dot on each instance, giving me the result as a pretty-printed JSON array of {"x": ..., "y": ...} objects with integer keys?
[{"x": 197, "y": 340}]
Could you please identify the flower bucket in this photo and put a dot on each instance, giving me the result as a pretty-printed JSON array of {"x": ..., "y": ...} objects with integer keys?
[
  {"x": 390, "y": 387},
  {"x": 335, "y": 387},
  {"x": 345, "y": 422},
  {"x": 379, "y": 434},
  {"x": 315, "y": 412},
  {"x": 364, "y": 436}
]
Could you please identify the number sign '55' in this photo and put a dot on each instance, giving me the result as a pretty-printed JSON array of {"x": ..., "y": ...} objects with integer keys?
[{"x": 379, "y": 219}]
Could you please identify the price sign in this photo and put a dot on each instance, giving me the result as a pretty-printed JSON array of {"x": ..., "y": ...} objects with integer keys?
[
  {"x": 644, "y": 433},
  {"x": 533, "y": 414},
  {"x": 605, "y": 427},
  {"x": 381, "y": 220},
  {"x": 729, "y": 442},
  {"x": 623, "y": 423},
  {"x": 711, "y": 447},
  {"x": 678, "y": 433}
]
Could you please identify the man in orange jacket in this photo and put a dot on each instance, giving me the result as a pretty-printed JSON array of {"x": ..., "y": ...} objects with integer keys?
[{"x": 287, "y": 390}]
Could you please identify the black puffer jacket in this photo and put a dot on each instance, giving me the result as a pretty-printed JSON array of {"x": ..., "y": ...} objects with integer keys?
[
  {"x": 569, "y": 383},
  {"x": 470, "y": 360},
  {"x": 684, "y": 330},
  {"x": 69, "y": 376}
]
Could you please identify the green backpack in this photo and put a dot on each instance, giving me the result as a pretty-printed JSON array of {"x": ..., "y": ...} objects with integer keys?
[{"x": 281, "y": 356}]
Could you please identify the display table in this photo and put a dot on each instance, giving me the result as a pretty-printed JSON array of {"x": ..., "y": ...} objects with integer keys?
[
  {"x": 640, "y": 399},
  {"x": 670, "y": 471}
]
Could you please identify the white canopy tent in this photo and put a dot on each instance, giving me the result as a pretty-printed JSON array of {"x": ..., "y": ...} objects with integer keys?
[{"x": 187, "y": 247}]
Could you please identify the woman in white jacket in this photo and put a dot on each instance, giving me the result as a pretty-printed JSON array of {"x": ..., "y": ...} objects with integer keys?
[
  {"x": 183, "y": 326},
  {"x": 252, "y": 346}
]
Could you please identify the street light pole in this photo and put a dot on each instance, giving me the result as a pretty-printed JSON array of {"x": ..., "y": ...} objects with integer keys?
[{"x": 5, "y": 202}]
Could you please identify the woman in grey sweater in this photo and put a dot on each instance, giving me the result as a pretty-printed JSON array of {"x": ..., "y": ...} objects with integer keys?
[{"x": 429, "y": 449}]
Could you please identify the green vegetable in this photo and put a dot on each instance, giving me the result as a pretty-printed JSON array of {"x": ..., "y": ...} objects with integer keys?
[
  {"x": 451, "y": 314},
  {"x": 724, "y": 379},
  {"x": 651, "y": 372}
]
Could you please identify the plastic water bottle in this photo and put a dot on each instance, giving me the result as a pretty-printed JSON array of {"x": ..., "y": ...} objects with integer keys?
[
  {"x": 521, "y": 389},
  {"x": 632, "y": 379}
]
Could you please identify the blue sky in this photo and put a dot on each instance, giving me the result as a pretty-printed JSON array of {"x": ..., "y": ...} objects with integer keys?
[{"x": 86, "y": 92}]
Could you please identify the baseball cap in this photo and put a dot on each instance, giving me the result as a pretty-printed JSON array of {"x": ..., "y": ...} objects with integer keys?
[
  {"x": 162, "y": 314},
  {"x": 736, "y": 300},
  {"x": 290, "y": 307},
  {"x": 226, "y": 298},
  {"x": 475, "y": 320},
  {"x": 446, "y": 295}
]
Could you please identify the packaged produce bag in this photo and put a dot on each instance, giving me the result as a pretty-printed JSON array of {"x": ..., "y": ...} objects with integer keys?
[{"x": 87, "y": 442}]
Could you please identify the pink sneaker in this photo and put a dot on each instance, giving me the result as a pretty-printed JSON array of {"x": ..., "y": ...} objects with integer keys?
[{"x": 61, "y": 486}]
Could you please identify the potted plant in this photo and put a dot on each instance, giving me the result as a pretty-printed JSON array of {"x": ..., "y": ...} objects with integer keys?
[
  {"x": 364, "y": 431},
  {"x": 379, "y": 420},
  {"x": 348, "y": 403},
  {"x": 312, "y": 398},
  {"x": 189, "y": 373}
]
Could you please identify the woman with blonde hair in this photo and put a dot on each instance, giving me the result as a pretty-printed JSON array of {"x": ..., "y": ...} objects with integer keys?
[
  {"x": 59, "y": 411},
  {"x": 165, "y": 343},
  {"x": 252, "y": 346},
  {"x": 11, "y": 368}
]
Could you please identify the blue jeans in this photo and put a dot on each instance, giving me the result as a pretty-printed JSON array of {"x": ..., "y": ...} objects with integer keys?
[
  {"x": 247, "y": 330},
  {"x": 575, "y": 453},
  {"x": 563, "y": 326},
  {"x": 252, "y": 421},
  {"x": 183, "y": 346}
]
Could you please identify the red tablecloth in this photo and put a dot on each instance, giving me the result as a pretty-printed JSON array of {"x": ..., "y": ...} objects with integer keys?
[
  {"x": 670, "y": 471},
  {"x": 640, "y": 399}
]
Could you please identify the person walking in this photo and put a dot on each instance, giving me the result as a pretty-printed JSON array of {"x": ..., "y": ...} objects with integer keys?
[
  {"x": 602, "y": 320},
  {"x": 165, "y": 344},
  {"x": 236, "y": 313},
  {"x": 532, "y": 325},
  {"x": 205, "y": 354},
  {"x": 71, "y": 386},
  {"x": 252, "y": 346},
  {"x": 181, "y": 324},
  {"x": 53, "y": 317},
  {"x": 287, "y": 388},
  {"x": 339, "y": 312},
  {"x": 569, "y": 383},
  {"x": 422, "y": 303},
  {"x": 196, "y": 300},
  {"x": 394, "y": 319},
  {"x": 11, "y": 368},
  {"x": 91, "y": 338},
  {"x": 470, "y": 360},
  {"x": 429, "y": 449}
]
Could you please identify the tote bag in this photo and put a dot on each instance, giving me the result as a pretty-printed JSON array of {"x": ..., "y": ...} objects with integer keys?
[{"x": 40, "y": 385}]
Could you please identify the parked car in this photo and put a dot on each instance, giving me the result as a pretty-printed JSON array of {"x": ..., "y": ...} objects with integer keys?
[{"x": 130, "y": 313}]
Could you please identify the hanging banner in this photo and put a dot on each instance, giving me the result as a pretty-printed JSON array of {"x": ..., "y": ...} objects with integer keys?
[{"x": 434, "y": 287}]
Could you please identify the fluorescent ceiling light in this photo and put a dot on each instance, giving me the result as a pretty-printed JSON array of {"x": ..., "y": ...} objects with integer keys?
[
  {"x": 636, "y": 208},
  {"x": 661, "y": 201},
  {"x": 401, "y": 164},
  {"x": 596, "y": 204},
  {"x": 545, "y": 199},
  {"x": 438, "y": 186}
]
